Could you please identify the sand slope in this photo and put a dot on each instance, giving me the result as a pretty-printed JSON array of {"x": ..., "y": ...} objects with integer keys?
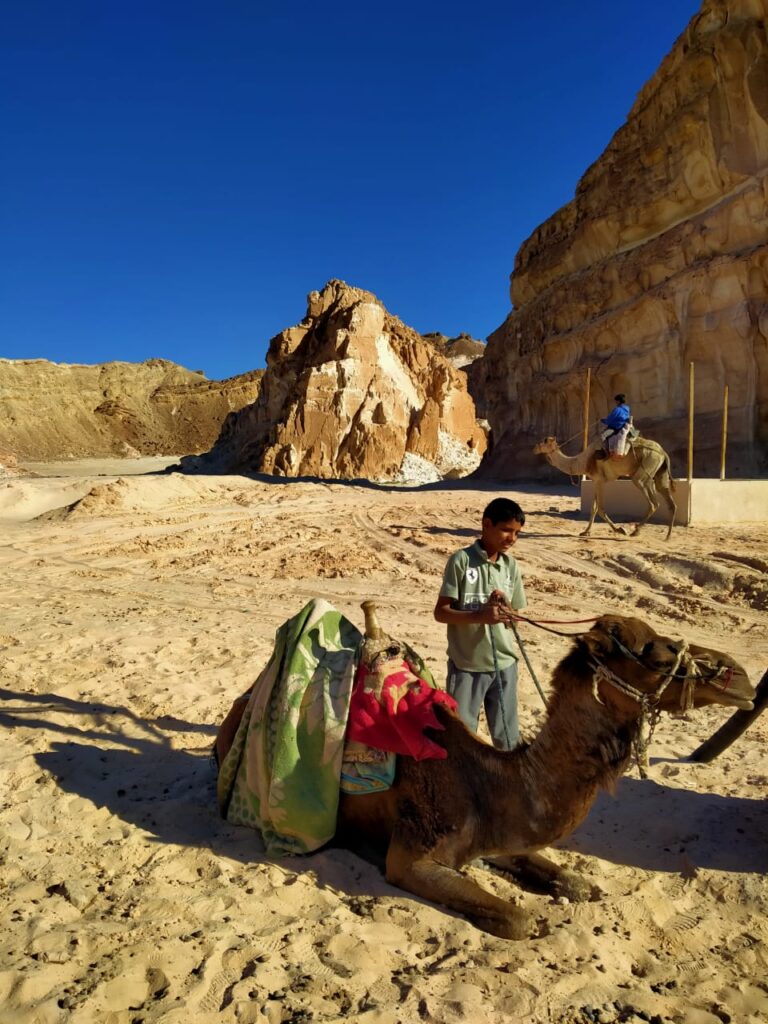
[{"x": 134, "y": 609}]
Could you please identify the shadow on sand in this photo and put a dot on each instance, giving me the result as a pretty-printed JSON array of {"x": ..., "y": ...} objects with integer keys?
[
  {"x": 128, "y": 765},
  {"x": 466, "y": 483},
  {"x": 662, "y": 828}
]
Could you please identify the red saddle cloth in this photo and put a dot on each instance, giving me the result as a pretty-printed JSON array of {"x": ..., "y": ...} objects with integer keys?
[{"x": 390, "y": 708}]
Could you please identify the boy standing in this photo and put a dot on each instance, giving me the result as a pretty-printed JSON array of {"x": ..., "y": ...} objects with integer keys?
[{"x": 482, "y": 665}]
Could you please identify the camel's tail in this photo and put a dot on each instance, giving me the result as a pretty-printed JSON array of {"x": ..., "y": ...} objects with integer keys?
[{"x": 668, "y": 467}]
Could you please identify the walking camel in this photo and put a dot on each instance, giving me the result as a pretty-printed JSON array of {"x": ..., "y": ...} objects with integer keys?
[
  {"x": 507, "y": 805},
  {"x": 646, "y": 464}
]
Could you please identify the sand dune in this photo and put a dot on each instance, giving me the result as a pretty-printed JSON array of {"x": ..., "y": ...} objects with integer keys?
[{"x": 135, "y": 608}]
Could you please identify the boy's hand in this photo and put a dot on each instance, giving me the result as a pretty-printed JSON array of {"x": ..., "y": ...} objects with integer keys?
[
  {"x": 497, "y": 610},
  {"x": 491, "y": 615}
]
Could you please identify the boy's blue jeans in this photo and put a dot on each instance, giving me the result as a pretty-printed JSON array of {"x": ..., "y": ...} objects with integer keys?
[{"x": 474, "y": 690}]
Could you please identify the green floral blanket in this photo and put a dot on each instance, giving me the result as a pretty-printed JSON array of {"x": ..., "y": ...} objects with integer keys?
[{"x": 282, "y": 773}]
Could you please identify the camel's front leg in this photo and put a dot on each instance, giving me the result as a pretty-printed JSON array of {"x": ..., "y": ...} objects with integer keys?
[
  {"x": 542, "y": 875},
  {"x": 585, "y": 532},
  {"x": 599, "y": 504},
  {"x": 422, "y": 875}
]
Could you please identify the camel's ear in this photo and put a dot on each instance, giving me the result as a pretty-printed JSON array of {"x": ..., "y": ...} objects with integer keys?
[
  {"x": 620, "y": 634},
  {"x": 597, "y": 640},
  {"x": 601, "y": 638}
]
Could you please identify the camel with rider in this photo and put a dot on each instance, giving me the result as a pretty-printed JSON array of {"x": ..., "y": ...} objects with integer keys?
[{"x": 645, "y": 463}]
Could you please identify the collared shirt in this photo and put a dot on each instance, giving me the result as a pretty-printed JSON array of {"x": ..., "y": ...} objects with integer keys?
[{"x": 469, "y": 579}]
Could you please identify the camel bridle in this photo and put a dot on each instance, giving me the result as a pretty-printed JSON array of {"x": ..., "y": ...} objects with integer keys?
[
  {"x": 694, "y": 672},
  {"x": 650, "y": 711}
]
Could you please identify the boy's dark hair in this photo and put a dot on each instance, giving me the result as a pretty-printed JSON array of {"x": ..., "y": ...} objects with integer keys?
[
  {"x": 621, "y": 399},
  {"x": 501, "y": 510}
]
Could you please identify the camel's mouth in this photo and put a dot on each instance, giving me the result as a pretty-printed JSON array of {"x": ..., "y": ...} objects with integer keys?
[
  {"x": 735, "y": 701},
  {"x": 730, "y": 686}
]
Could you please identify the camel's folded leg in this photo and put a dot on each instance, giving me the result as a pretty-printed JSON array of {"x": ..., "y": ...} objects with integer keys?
[
  {"x": 426, "y": 877},
  {"x": 542, "y": 875}
]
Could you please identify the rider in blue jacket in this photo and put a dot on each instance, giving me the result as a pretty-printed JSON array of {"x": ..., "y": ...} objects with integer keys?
[
  {"x": 620, "y": 415},
  {"x": 616, "y": 427}
]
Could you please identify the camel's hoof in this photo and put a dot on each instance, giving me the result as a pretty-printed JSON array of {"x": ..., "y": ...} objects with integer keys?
[
  {"x": 516, "y": 926},
  {"x": 584, "y": 533},
  {"x": 622, "y": 530}
]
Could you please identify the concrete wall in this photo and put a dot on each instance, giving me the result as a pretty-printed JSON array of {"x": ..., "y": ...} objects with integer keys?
[{"x": 700, "y": 501}]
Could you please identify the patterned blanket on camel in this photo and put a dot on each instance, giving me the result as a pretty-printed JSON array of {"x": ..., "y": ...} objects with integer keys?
[{"x": 317, "y": 718}]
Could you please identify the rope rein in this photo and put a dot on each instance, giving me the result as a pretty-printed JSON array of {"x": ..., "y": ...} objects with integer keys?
[
  {"x": 580, "y": 433},
  {"x": 545, "y": 623},
  {"x": 650, "y": 712}
]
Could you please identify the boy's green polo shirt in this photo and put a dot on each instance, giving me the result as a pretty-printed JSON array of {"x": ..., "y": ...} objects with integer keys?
[{"x": 469, "y": 580}]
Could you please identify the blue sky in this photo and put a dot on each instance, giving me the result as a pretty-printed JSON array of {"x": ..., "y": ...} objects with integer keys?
[{"x": 175, "y": 177}]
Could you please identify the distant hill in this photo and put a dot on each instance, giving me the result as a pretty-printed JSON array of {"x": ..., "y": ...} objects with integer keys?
[{"x": 51, "y": 411}]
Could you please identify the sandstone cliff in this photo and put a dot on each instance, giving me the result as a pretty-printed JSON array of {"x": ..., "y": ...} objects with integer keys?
[
  {"x": 55, "y": 411},
  {"x": 660, "y": 259},
  {"x": 350, "y": 392}
]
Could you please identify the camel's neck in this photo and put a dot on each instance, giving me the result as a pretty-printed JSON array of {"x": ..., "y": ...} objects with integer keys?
[
  {"x": 574, "y": 465},
  {"x": 581, "y": 749}
]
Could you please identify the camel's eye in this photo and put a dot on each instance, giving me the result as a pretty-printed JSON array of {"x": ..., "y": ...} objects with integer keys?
[{"x": 393, "y": 650}]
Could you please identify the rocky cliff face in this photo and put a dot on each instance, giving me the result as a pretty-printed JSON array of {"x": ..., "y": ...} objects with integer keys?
[
  {"x": 660, "y": 259},
  {"x": 350, "y": 392},
  {"x": 55, "y": 411}
]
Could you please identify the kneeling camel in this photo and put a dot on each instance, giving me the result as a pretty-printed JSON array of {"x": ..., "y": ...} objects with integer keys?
[{"x": 505, "y": 806}]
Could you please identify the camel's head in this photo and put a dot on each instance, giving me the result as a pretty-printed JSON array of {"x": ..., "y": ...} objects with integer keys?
[
  {"x": 545, "y": 447},
  {"x": 675, "y": 674}
]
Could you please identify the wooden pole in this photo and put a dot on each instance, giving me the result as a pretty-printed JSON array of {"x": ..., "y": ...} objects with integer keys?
[
  {"x": 724, "y": 440},
  {"x": 690, "y": 422},
  {"x": 586, "y": 409}
]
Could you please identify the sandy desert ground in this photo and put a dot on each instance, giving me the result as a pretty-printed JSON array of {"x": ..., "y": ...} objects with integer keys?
[{"x": 134, "y": 609}]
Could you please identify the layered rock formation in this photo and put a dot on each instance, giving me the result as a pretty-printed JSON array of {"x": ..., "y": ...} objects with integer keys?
[
  {"x": 56, "y": 411},
  {"x": 461, "y": 351},
  {"x": 661, "y": 259},
  {"x": 348, "y": 393}
]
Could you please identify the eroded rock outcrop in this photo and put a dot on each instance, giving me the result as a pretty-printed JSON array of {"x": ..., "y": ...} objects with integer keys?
[
  {"x": 57, "y": 410},
  {"x": 660, "y": 259},
  {"x": 347, "y": 393},
  {"x": 461, "y": 351}
]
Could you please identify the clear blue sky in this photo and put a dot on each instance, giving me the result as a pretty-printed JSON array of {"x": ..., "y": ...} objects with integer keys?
[{"x": 175, "y": 177}]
